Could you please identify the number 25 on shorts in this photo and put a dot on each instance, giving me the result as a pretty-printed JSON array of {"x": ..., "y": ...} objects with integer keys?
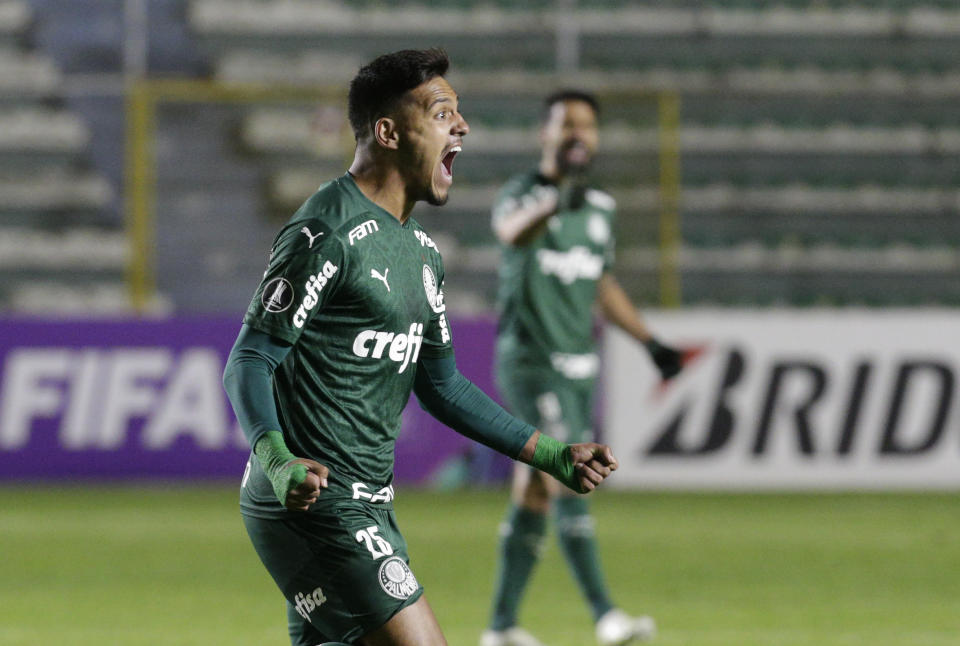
[{"x": 375, "y": 543}]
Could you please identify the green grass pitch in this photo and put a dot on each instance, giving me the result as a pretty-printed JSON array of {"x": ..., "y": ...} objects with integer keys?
[{"x": 171, "y": 566}]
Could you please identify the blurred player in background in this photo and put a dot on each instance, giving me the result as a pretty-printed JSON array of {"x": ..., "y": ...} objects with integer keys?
[
  {"x": 348, "y": 319},
  {"x": 557, "y": 236}
]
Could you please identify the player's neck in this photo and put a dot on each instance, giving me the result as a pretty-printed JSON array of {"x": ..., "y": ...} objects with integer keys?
[{"x": 381, "y": 184}]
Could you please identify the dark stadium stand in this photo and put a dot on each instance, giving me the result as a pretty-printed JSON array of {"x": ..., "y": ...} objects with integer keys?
[
  {"x": 819, "y": 148},
  {"x": 63, "y": 247},
  {"x": 818, "y": 138}
]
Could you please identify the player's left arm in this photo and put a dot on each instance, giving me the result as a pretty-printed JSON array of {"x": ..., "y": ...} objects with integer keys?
[
  {"x": 457, "y": 402},
  {"x": 619, "y": 310}
]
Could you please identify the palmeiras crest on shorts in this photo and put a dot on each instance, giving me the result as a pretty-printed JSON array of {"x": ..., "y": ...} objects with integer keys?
[
  {"x": 397, "y": 579},
  {"x": 434, "y": 295},
  {"x": 277, "y": 295}
]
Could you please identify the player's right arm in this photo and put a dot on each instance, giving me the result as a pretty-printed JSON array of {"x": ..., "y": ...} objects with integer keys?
[
  {"x": 518, "y": 218},
  {"x": 248, "y": 381},
  {"x": 304, "y": 271}
]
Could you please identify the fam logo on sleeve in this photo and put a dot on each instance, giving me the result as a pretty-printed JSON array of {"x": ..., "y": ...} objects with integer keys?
[{"x": 361, "y": 231}]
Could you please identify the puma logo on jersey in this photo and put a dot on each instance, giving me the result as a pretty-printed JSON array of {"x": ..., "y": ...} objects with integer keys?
[
  {"x": 310, "y": 236},
  {"x": 314, "y": 286},
  {"x": 381, "y": 277},
  {"x": 568, "y": 266},
  {"x": 361, "y": 231},
  {"x": 400, "y": 348}
]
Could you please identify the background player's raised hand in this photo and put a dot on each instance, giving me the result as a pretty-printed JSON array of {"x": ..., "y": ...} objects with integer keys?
[
  {"x": 306, "y": 478},
  {"x": 593, "y": 463}
]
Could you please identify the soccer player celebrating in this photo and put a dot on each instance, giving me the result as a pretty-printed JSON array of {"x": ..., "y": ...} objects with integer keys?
[
  {"x": 557, "y": 255},
  {"x": 348, "y": 319}
]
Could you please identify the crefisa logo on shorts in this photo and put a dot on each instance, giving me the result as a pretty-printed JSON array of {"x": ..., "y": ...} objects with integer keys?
[
  {"x": 397, "y": 579},
  {"x": 307, "y": 603}
]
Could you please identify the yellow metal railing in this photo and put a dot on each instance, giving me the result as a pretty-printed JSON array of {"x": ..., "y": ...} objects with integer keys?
[
  {"x": 143, "y": 97},
  {"x": 668, "y": 106},
  {"x": 139, "y": 195}
]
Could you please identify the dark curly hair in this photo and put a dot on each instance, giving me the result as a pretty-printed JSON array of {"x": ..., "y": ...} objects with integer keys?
[
  {"x": 380, "y": 84},
  {"x": 569, "y": 95}
]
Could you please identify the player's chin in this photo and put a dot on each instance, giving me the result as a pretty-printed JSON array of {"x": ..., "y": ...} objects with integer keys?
[
  {"x": 437, "y": 199},
  {"x": 439, "y": 193}
]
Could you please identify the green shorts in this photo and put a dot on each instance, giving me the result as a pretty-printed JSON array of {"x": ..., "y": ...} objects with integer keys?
[
  {"x": 560, "y": 407},
  {"x": 343, "y": 568}
]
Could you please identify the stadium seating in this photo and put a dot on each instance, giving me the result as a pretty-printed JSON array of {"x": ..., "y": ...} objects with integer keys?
[
  {"x": 61, "y": 248},
  {"x": 40, "y": 132},
  {"x": 818, "y": 143},
  {"x": 26, "y": 77},
  {"x": 14, "y": 20},
  {"x": 818, "y": 138}
]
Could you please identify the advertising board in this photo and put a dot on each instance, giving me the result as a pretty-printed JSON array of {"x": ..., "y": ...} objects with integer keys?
[{"x": 808, "y": 399}]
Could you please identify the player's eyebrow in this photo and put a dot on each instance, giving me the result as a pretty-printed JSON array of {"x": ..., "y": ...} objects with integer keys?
[{"x": 441, "y": 99}]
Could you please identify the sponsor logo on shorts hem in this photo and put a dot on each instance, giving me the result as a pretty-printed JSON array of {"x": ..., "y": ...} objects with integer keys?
[
  {"x": 307, "y": 603},
  {"x": 361, "y": 491}
]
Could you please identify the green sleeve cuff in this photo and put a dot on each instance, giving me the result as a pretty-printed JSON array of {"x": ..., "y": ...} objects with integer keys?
[
  {"x": 554, "y": 458},
  {"x": 275, "y": 457}
]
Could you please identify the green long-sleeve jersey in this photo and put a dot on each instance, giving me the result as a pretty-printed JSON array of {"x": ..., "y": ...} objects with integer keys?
[{"x": 548, "y": 286}]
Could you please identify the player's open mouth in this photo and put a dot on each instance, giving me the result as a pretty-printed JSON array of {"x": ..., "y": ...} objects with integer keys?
[
  {"x": 577, "y": 153},
  {"x": 446, "y": 162}
]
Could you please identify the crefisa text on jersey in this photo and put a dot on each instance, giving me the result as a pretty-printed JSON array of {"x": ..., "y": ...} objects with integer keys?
[
  {"x": 314, "y": 286},
  {"x": 400, "y": 348}
]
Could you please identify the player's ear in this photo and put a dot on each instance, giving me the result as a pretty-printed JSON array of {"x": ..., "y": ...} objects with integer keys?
[{"x": 386, "y": 132}]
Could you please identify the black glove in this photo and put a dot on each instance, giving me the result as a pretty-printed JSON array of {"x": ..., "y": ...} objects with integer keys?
[{"x": 669, "y": 361}]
